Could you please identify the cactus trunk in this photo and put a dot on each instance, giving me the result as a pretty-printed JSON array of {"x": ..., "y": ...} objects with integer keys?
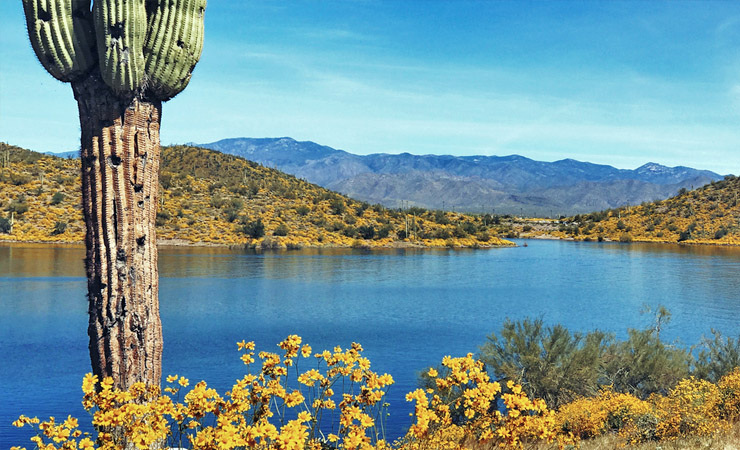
[{"x": 120, "y": 164}]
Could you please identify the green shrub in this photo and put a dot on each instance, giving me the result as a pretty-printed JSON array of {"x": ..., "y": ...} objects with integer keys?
[
  {"x": 254, "y": 229},
  {"x": 718, "y": 357},
  {"x": 366, "y": 231},
  {"x": 59, "y": 228},
  {"x": 549, "y": 362},
  {"x": 281, "y": 230},
  {"x": 57, "y": 198}
]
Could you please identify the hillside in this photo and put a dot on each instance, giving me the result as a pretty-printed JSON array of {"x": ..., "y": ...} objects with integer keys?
[
  {"x": 501, "y": 184},
  {"x": 707, "y": 215},
  {"x": 207, "y": 197}
]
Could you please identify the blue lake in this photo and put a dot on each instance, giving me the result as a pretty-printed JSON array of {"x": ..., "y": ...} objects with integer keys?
[{"x": 408, "y": 308}]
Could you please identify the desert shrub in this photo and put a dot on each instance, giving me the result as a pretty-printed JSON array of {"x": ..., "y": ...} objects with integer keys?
[
  {"x": 350, "y": 232},
  {"x": 461, "y": 403},
  {"x": 441, "y": 217},
  {"x": 550, "y": 362},
  {"x": 162, "y": 217},
  {"x": 688, "y": 409},
  {"x": 643, "y": 364},
  {"x": 59, "y": 228},
  {"x": 717, "y": 357},
  {"x": 385, "y": 231},
  {"x": 19, "y": 205},
  {"x": 231, "y": 214},
  {"x": 441, "y": 233},
  {"x": 4, "y": 225},
  {"x": 303, "y": 210},
  {"x": 483, "y": 236},
  {"x": 337, "y": 206},
  {"x": 625, "y": 237},
  {"x": 366, "y": 231},
  {"x": 459, "y": 232},
  {"x": 281, "y": 230},
  {"x": 57, "y": 198},
  {"x": 254, "y": 229},
  {"x": 20, "y": 179},
  {"x": 590, "y": 417}
]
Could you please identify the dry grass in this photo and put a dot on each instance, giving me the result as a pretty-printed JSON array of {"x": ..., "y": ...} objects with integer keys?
[{"x": 726, "y": 440}]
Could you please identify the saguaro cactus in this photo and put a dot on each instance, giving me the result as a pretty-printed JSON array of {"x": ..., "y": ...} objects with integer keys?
[{"x": 123, "y": 59}]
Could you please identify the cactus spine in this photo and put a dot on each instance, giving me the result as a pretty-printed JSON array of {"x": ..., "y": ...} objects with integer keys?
[
  {"x": 123, "y": 59},
  {"x": 174, "y": 45},
  {"x": 120, "y": 30},
  {"x": 61, "y": 35}
]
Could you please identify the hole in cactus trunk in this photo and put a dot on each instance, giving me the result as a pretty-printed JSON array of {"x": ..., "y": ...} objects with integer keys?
[
  {"x": 44, "y": 15},
  {"x": 180, "y": 43},
  {"x": 114, "y": 161},
  {"x": 116, "y": 30}
]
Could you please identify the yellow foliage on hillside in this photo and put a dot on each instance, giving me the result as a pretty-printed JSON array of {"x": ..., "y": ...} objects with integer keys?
[
  {"x": 207, "y": 197},
  {"x": 707, "y": 215}
]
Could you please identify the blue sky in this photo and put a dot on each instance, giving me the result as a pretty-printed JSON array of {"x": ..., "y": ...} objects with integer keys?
[{"x": 618, "y": 82}]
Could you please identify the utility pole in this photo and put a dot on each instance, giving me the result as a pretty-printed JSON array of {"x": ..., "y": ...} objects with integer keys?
[{"x": 12, "y": 221}]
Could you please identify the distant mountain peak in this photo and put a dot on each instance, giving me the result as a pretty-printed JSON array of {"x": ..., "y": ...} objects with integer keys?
[
  {"x": 653, "y": 167},
  {"x": 509, "y": 184}
]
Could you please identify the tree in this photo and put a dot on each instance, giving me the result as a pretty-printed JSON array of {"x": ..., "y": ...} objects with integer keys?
[{"x": 123, "y": 58}]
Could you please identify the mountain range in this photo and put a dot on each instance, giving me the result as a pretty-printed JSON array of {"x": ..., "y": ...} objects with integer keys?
[{"x": 494, "y": 184}]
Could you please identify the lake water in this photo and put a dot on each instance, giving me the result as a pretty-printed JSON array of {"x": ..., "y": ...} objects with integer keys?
[{"x": 408, "y": 308}]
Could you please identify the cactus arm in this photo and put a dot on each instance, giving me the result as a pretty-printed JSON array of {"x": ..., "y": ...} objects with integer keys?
[
  {"x": 174, "y": 45},
  {"x": 120, "y": 30},
  {"x": 60, "y": 36}
]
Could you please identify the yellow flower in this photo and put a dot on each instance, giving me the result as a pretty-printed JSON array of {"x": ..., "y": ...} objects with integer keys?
[
  {"x": 88, "y": 383},
  {"x": 184, "y": 382},
  {"x": 71, "y": 422},
  {"x": 171, "y": 378},
  {"x": 306, "y": 351},
  {"x": 433, "y": 373}
]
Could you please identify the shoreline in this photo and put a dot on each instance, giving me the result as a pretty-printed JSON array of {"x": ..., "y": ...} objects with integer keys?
[
  {"x": 181, "y": 243},
  {"x": 550, "y": 237}
]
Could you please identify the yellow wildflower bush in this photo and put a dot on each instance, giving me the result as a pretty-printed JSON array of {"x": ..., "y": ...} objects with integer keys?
[
  {"x": 729, "y": 392},
  {"x": 337, "y": 403},
  {"x": 466, "y": 388},
  {"x": 279, "y": 407},
  {"x": 690, "y": 409},
  {"x": 589, "y": 417}
]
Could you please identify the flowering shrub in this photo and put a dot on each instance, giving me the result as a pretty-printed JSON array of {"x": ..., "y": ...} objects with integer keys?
[
  {"x": 689, "y": 409},
  {"x": 468, "y": 388},
  {"x": 592, "y": 416},
  {"x": 729, "y": 392},
  {"x": 337, "y": 403},
  {"x": 279, "y": 407}
]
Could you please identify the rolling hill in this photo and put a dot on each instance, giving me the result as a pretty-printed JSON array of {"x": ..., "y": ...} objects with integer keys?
[
  {"x": 706, "y": 215},
  {"x": 207, "y": 197}
]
